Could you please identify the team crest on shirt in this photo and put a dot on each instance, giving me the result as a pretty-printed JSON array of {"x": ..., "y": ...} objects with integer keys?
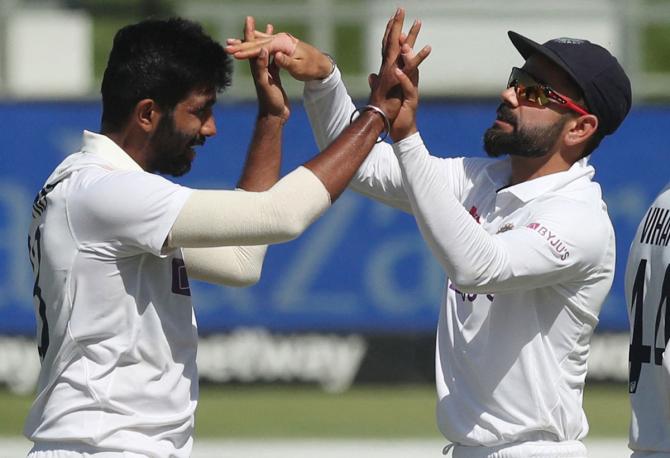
[
  {"x": 505, "y": 228},
  {"x": 180, "y": 278}
]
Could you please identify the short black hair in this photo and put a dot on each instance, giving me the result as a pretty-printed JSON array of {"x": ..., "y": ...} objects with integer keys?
[{"x": 162, "y": 60}]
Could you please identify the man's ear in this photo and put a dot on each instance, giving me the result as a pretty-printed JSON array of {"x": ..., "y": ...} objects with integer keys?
[
  {"x": 146, "y": 115},
  {"x": 581, "y": 130}
]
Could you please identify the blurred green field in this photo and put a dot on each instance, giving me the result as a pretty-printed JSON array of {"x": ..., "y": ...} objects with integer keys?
[{"x": 362, "y": 412}]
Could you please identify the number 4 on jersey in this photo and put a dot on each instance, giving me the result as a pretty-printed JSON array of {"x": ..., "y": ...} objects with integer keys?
[{"x": 638, "y": 353}]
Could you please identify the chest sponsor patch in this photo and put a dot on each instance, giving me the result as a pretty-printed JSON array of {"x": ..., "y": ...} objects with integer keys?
[
  {"x": 180, "y": 278},
  {"x": 557, "y": 245}
]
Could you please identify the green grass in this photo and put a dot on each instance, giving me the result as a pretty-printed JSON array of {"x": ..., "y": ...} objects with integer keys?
[
  {"x": 309, "y": 412},
  {"x": 362, "y": 412},
  {"x": 607, "y": 409},
  {"x": 14, "y": 410}
]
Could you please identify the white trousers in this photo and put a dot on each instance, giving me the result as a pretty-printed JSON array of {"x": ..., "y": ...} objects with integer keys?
[
  {"x": 65, "y": 450},
  {"x": 534, "y": 449}
]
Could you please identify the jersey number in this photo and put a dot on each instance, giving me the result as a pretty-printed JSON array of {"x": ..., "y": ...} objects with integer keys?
[
  {"x": 639, "y": 353},
  {"x": 35, "y": 251}
]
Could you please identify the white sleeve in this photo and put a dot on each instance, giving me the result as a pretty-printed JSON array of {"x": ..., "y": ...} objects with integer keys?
[
  {"x": 329, "y": 108},
  {"x": 123, "y": 213},
  {"x": 521, "y": 258},
  {"x": 227, "y": 265},
  {"x": 229, "y": 218}
]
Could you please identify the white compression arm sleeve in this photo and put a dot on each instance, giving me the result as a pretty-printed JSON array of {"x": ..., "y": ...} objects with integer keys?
[
  {"x": 226, "y": 265},
  {"x": 212, "y": 223},
  {"x": 228, "y": 218}
]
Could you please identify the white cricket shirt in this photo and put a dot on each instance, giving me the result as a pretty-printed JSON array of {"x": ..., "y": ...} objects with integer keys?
[
  {"x": 528, "y": 268},
  {"x": 116, "y": 327},
  {"x": 647, "y": 295}
]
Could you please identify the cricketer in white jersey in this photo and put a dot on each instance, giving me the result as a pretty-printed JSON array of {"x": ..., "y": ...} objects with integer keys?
[
  {"x": 112, "y": 245},
  {"x": 528, "y": 269},
  {"x": 117, "y": 332},
  {"x": 648, "y": 297},
  {"x": 526, "y": 242}
]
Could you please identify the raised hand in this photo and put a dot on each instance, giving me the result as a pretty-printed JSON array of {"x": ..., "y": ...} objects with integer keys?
[
  {"x": 281, "y": 42},
  {"x": 303, "y": 61},
  {"x": 405, "y": 123},
  {"x": 407, "y": 63},
  {"x": 272, "y": 99},
  {"x": 386, "y": 93}
]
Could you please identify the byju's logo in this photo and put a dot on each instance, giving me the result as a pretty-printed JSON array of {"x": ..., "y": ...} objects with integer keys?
[{"x": 558, "y": 246}]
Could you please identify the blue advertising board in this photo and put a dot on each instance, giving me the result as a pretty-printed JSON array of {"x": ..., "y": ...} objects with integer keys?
[{"x": 362, "y": 267}]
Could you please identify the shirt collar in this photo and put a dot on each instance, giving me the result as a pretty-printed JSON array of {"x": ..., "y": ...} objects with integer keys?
[
  {"x": 103, "y": 146},
  {"x": 529, "y": 190}
]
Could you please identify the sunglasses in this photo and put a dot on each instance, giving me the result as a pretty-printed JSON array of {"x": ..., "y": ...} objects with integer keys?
[{"x": 533, "y": 91}]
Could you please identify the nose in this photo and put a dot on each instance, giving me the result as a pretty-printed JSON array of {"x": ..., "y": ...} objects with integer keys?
[
  {"x": 208, "y": 128},
  {"x": 510, "y": 97}
]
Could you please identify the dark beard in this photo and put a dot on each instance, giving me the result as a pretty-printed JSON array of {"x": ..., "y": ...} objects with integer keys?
[
  {"x": 172, "y": 149},
  {"x": 529, "y": 142}
]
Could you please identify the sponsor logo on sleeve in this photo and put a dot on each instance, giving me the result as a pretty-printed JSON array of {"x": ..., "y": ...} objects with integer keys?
[{"x": 558, "y": 246}]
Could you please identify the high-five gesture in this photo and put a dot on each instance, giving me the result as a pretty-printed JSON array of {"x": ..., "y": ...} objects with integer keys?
[
  {"x": 399, "y": 59},
  {"x": 272, "y": 99},
  {"x": 385, "y": 86},
  {"x": 303, "y": 61},
  {"x": 405, "y": 123}
]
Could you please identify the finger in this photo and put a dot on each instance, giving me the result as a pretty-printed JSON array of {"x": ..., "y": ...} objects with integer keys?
[
  {"x": 249, "y": 27},
  {"x": 259, "y": 34},
  {"x": 281, "y": 60},
  {"x": 393, "y": 43},
  {"x": 406, "y": 60},
  {"x": 261, "y": 65},
  {"x": 269, "y": 28},
  {"x": 413, "y": 33},
  {"x": 409, "y": 90},
  {"x": 386, "y": 33},
  {"x": 247, "y": 49},
  {"x": 420, "y": 56},
  {"x": 273, "y": 70},
  {"x": 233, "y": 41},
  {"x": 248, "y": 54},
  {"x": 372, "y": 79}
]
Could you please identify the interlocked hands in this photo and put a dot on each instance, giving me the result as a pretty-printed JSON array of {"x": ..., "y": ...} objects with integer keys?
[{"x": 394, "y": 89}]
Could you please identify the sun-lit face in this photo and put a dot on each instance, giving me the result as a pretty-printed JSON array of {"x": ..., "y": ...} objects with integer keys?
[
  {"x": 180, "y": 130},
  {"x": 525, "y": 128}
]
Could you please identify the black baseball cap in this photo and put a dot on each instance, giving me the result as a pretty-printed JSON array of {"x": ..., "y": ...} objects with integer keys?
[{"x": 598, "y": 74}]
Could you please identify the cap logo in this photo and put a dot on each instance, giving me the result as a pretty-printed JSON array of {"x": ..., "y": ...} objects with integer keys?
[{"x": 569, "y": 41}]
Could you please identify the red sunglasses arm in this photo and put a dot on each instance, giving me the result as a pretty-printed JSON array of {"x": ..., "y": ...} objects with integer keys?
[
  {"x": 565, "y": 100},
  {"x": 572, "y": 105}
]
